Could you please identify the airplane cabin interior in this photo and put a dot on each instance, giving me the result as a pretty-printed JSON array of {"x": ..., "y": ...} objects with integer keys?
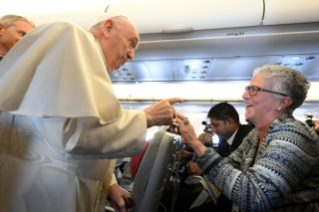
[{"x": 205, "y": 52}]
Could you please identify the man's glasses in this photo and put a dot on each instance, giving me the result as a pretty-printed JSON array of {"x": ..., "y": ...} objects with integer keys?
[{"x": 253, "y": 90}]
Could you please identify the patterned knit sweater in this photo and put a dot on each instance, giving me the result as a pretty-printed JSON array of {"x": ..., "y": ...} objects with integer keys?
[{"x": 284, "y": 177}]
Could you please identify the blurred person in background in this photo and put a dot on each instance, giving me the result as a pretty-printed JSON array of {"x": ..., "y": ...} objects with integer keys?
[{"x": 12, "y": 29}]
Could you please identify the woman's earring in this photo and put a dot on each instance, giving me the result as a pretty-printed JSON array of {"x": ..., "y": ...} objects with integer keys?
[{"x": 279, "y": 108}]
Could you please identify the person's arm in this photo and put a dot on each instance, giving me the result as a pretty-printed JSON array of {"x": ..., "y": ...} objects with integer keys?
[
  {"x": 266, "y": 182},
  {"x": 86, "y": 138}
]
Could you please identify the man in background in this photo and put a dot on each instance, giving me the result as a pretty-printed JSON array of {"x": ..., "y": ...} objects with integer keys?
[
  {"x": 12, "y": 29},
  {"x": 225, "y": 123}
]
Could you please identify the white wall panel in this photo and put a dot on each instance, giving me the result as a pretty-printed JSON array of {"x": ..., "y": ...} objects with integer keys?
[
  {"x": 140, "y": 91},
  {"x": 227, "y": 91},
  {"x": 120, "y": 91},
  {"x": 222, "y": 91},
  {"x": 184, "y": 91},
  {"x": 313, "y": 93}
]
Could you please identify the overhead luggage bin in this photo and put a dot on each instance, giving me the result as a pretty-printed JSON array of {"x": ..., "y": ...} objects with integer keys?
[
  {"x": 187, "y": 15},
  {"x": 290, "y": 11},
  {"x": 84, "y": 17}
]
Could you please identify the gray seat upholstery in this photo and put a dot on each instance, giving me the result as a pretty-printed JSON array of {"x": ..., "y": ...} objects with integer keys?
[{"x": 153, "y": 174}]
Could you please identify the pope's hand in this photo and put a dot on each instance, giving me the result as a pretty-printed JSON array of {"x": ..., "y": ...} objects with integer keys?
[
  {"x": 161, "y": 113},
  {"x": 118, "y": 195}
]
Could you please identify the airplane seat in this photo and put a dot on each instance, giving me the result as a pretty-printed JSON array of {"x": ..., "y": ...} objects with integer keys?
[
  {"x": 153, "y": 174},
  {"x": 136, "y": 160}
]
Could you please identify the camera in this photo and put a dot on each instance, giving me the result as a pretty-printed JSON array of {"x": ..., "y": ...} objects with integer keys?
[
  {"x": 208, "y": 128},
  {"x": 309, "y": 121}
]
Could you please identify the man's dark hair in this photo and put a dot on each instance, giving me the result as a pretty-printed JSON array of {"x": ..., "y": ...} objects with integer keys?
[{"x": 223, "y": 111}]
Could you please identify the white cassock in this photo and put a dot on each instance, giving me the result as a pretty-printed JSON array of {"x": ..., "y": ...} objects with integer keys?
[{"x": 61, "y": 123}]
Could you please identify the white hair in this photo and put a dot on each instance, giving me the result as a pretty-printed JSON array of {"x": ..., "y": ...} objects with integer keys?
[
  {"x": 119, "y": 21},
  {"x": 287, "y": 81},
  {"x": 8, "y": 20}
]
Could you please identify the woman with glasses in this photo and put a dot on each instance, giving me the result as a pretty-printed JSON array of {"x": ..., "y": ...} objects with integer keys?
[{"x": 276, "y": 168}]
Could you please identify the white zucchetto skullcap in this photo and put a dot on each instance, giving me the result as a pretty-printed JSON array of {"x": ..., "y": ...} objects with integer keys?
[{"x": 106, "y": 16}]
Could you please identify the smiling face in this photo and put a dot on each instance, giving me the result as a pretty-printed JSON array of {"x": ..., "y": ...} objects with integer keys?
[
  {"x": 11, "y": 35},
  {"x": 121, "y": 45},
  {"x": 262, "y": 108}
]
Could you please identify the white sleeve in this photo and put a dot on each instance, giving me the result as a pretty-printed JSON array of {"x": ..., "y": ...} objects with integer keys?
[
  {"x": 86, "y": 138},
  {"x": 113, "y": 180}
]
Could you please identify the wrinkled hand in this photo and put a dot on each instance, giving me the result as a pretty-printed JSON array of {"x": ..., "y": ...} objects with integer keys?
[
  {"x": 187, "y": 131},
  {"x": 117, "y": 195},
  {"x": 161, "y": 113},
  {"x": 189, "y": 135},
  {"x": 193, "y": 168},
  {"x": 184, "y": 154}
]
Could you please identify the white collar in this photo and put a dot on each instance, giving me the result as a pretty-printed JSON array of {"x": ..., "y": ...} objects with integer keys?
[{"x": 230, "y": 140}]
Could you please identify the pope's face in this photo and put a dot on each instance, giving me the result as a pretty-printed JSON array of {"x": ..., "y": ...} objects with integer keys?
[
  {"x": 11, "y": 35},
  {"x": 123, "y": 43}
]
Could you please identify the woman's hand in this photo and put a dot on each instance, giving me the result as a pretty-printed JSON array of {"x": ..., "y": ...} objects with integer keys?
[
  {"x": 183, "y": 154},
  {"x": 193, "y": 168},
  {"x": 189, "y": 135},
  {"x": 187, "y": 131}
]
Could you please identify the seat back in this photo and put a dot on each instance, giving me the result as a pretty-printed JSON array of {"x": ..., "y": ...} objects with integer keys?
[{"x": 153, "y": 173}]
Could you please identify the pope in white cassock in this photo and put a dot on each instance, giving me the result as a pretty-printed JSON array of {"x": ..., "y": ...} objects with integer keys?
[{"x": 61, "y": 123}]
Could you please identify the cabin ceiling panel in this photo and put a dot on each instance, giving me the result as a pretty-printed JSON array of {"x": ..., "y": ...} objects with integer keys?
[
  {"x": 139, "y": 71},
  {"x": 161, "y": 70},
  {"x": 211, "y": 69},
  {"x": 231, "y": 46},
  {"x": 240, "y": 68}
]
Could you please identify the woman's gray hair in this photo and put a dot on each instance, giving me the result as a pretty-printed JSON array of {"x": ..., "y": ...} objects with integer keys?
[
  {"x": 8, "y": 20},
  {"x": 288, "y": 81}
]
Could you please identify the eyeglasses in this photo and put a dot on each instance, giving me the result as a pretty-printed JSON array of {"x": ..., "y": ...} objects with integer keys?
[{"x": 253, "y": 90}]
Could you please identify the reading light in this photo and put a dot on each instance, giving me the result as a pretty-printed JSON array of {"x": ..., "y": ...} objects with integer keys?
[{"x": 310, "y": 58}]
